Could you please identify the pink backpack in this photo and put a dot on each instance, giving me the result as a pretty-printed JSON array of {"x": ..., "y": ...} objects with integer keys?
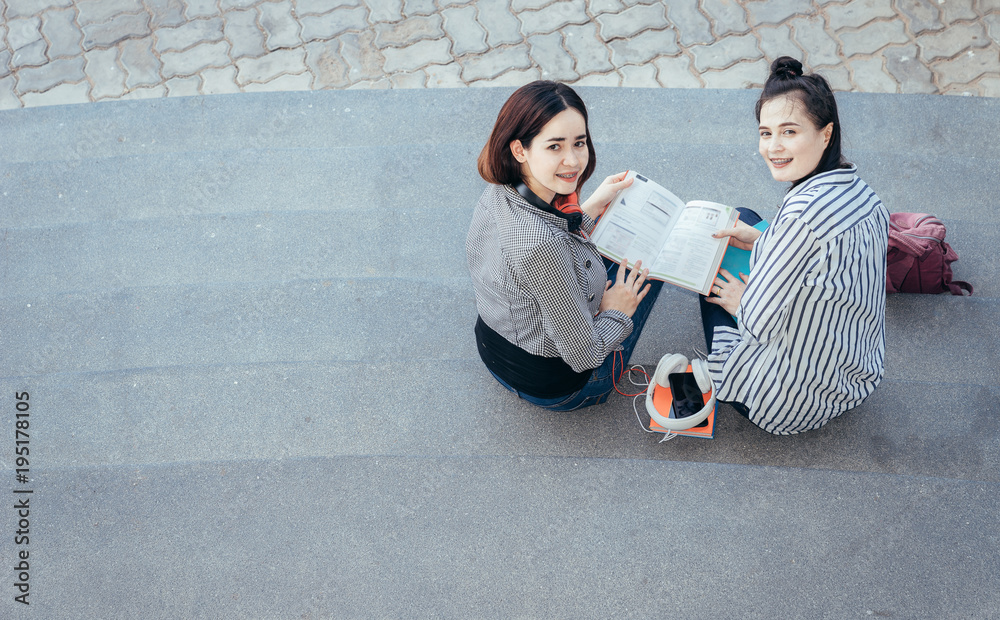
[{"x": 919, "y": 261}]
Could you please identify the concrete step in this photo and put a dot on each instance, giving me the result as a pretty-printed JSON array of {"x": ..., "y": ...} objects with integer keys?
[
  {"x": 238, "y": 248},
  {"x": 89, "y": 229},
  {"x": 449, "y": 409},
  {"x": 510, "y": 536},
  {"x": 394, "y": 317},
  {"x": 912, "y": 124}
]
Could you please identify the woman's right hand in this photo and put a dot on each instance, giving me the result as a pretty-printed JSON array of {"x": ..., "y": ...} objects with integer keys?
[
  {"x": 605, "y": 193},
  {"x": 625, "y": 293},
  {"x": 742, "y": 236}
]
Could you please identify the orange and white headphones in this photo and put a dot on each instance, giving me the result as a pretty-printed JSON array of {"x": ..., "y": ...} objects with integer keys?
[{"x": 686, "y": 403}]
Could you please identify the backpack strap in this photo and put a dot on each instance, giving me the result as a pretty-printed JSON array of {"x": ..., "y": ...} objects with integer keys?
[{"x": 956, "y": 287}]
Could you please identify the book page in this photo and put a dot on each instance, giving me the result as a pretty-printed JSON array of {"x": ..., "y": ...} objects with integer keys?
[
  {"x": 690, "y": 254},
  {"x": 638, "y": 221}
]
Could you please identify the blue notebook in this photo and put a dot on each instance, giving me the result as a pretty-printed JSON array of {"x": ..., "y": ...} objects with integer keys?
[{"x": 737, "y": 261}]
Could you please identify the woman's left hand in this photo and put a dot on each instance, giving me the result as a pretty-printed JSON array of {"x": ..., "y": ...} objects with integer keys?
[
  {"x": 605, "y": 193},
  {"x": 728, "y": 291}
]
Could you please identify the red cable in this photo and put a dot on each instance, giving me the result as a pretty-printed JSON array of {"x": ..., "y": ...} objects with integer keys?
[{"x": 618, "y": 356}]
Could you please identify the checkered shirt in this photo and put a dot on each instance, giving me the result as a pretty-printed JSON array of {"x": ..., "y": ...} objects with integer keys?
[{"x": 538, "y": 285}]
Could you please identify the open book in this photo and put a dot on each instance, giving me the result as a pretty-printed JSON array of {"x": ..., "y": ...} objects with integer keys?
[{"x": 674, "y": 240}]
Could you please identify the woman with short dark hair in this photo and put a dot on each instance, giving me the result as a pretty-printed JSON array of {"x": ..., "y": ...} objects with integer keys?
[
  {"x": 557, "y": 322},
  {"x": 810, "y": 339}
]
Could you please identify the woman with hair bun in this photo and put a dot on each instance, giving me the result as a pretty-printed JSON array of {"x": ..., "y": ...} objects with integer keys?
[
  {"x": 810, "y": 339},
  {"x": 555, "y": 318}
]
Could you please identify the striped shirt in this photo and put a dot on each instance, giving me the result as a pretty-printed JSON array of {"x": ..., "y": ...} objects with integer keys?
[
  {"x": 811, "y": 338},
  {"x": 538, "y": 285}
]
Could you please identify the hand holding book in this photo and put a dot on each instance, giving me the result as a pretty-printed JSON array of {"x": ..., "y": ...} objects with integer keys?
[
  {"x": 605, "y": 193},
  {"x": 742, "y": 236}
]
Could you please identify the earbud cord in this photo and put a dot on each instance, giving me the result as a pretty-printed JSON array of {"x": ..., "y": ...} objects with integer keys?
[
  {"x": 668, "y": 435},
  {"x": 618, "y": 377}
]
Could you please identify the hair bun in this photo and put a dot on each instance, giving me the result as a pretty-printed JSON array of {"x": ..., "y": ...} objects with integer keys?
[{"x": 786, "y": 67}]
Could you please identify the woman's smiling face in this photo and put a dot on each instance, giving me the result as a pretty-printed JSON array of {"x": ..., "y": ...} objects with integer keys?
[
  {"x": 557, "y": 156},
  {"x": 789, "y": 142}
]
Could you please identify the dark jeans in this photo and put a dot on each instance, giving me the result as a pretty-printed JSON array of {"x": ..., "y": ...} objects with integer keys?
[
  {"x": 604, "y": 378},
  {"x": 713, "y": 316}
]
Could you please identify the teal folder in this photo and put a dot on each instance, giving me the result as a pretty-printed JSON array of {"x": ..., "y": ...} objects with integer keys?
[{"x": 737, "y": 261}]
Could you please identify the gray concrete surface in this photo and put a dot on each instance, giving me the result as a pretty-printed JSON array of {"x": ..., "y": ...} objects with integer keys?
[{"x": 245, "y": 325}]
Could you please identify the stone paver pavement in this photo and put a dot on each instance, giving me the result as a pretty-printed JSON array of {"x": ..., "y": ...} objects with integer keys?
[{"x": 75, "y": 51}]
